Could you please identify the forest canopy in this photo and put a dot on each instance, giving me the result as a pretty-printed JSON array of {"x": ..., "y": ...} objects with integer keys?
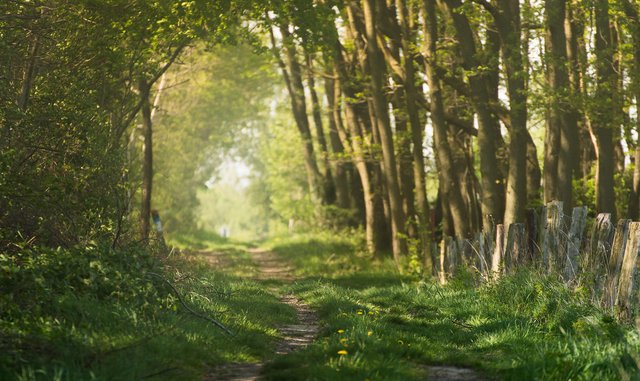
[{"x": 410, "y": 119}]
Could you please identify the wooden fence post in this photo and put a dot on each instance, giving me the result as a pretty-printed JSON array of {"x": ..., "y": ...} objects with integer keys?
[
  {"x": 551, "y": 245},
  {"x": 498, "y": 252},
  {"x": 626, "y": 287},
  {"x": 532, "y": 225},
  {"x": 442, "y": 274},
  {"x": 600, "y": 245},
  {"x": 574, "y": 242},
  {"x": 612, "y": 277},
  {"x": 514, "y": 254}
]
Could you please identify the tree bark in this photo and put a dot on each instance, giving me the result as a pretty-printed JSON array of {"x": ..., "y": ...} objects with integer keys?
[
  {"x": 509, "y": 27},
  {"x": 334, "y": 117},
  {"x": 147, "y": 165},
  {"x": 453, "y": 204},
  {"x": 602, "y": 121},
  {"x": 29, "y": 74},
  {"x": 480, "y": 84},
  {"x": 631, "y": 11},
  {"x": 380, "y": 104},
  {"x": 417, "y": 129},
  {"x": 329, "y": 188},
  {"x": 355, "y": 145},
  {"x": 292, "y": 74},
  {"x": 562, "y": 130}
]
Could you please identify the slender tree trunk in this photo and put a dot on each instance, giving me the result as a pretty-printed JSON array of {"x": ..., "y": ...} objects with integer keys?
[
  {"x": 29, "y": 74},
  {"x": 377, "y": 68},
  {"x": 631, "y": 11},
  {"x": 292, "y": 74},
  {"x": 492, "y": 179},
  {"x": 562, "y": 131},
  {"x": 332, "y": 93},
  {"x": 509, "y": 26},
  {"x": 453, "y": 204},
  {"x": 602, "y": 118},
  {"x": 417, "y": 130},
  {"x": 576, "y": 55},
  {"x": 147, "y": 164},
  {"x": 405, "y": 158},
  {"x": 355, "y": 143},
  {"x": 327, "y": 177}
]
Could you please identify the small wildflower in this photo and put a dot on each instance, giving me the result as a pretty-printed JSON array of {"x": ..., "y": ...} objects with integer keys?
[
  {"x": 341, "y": 331},
  {"x": 342, "y": 352},
  {"x": 360, "y": 312},
  {"x": 369, "y": 333},
  {"x": 343, "y": 341}
]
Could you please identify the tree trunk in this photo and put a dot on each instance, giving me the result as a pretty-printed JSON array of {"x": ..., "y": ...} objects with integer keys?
[
  {"x": 602, "y": 119},
  {"x": 480, "y": 84},
  {"x": 631, "y": 11},
  {"x": 147, "y": 164},
  {"x": 355, "y": 144},
  {"x": 29, "y": 74},
  {"x": 562, "y": 123},
  {"x": 329, "y": 188},
  {"x": 377, "y": 68},
  {"x": 577, "y": 56},
  {"x": 332, "y": 93},
  {"x": 509, "y": 27},
  {"x": 417, "y": 131},
  {"x": 405, "y": 157},
  {"x": 453, "y": 204},
  {"x": 293, "y": 77}
]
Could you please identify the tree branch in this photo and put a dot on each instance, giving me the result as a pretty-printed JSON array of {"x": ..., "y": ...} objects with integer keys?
[{"x": 194, "y": 313}]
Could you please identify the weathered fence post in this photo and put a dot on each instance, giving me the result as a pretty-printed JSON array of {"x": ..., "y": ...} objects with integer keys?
[
  {"x": 626, "y": 286},
  {"x": 442, "y": 274},
  {"x": 515, "y": 252},
  {"x": 600, "y": 245},
  {"x": 612, "y": 277},
  {"x": 483, "y": 254},
  {"x": 532, "y": 225},
  {"x": 453, "y": 254},
  {"x": 574, "y": 242},
  {"x": 498, "y": 251},
  {"x": 551, "y": 245}
]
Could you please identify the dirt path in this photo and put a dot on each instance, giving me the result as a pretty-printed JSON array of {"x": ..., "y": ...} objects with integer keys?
[
  {"x": 297, "y": 336},
  {"x": 294, "y": 336}
]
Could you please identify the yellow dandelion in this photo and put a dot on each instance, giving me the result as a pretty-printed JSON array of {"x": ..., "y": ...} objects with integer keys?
[
  {"x": 369, "y": 333},
  {"x": 343, "y": 340},
  {"x": 342, "y": 352},
  {"x": 341, "y": 331},
  {"x": 360, "y": 312}
]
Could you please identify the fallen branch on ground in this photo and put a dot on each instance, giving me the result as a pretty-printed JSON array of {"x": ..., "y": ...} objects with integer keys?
[{"x": 189, "y": 309}]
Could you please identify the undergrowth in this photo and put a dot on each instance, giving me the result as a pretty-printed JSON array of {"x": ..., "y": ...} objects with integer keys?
[{"x": 93, "y": 313}]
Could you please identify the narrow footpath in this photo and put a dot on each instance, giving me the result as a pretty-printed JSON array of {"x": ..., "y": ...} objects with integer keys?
[
  {"x": 294, "y": 336},
  {"x": 297, "y": 336}
]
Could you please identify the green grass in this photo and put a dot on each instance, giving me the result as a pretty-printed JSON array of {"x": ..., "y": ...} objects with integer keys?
[
  {"x": 524, "y": 326},
  {"x": 94, "y": 313}
]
